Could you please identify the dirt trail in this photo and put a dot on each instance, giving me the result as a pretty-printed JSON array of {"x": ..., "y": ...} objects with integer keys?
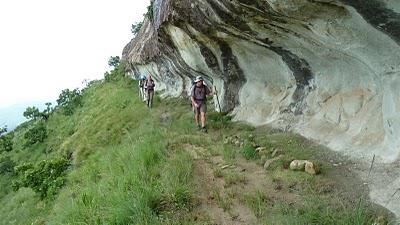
[
  {"x": 221, "y": 201},
  {"x": 213, "y": 201}
]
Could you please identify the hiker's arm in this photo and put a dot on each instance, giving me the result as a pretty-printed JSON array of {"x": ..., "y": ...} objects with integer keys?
[
  {"x": 192, "y": 97},
  {"x": 194, "y": 102}
]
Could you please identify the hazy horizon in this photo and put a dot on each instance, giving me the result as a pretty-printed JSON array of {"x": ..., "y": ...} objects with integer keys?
[{"x": 12, "y": 116}]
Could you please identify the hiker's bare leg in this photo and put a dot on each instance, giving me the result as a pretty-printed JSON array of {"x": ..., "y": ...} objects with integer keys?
[
  {"x": 203, "y": 119},
  {"x": 196, "y": 116},
  {"x": 148, "y": 98},
  {"x": 151, "y": 99},
  {"x": 145, "y": 95}
]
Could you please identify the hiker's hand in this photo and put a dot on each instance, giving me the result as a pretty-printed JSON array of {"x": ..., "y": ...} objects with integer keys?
[{"x": 196, "y": 105}]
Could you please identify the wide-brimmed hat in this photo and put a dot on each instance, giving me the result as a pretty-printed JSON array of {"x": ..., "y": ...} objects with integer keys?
[{"x": 198, "y": 78}]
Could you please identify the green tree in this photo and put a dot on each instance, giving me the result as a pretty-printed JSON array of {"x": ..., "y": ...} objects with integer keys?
[
  {"x": 32, "y": 113},
  {"x": 69, "y": 100},
  {"x": 47, "y": 112},
  {"x": 116, "y": 74},
  {"x": 136, "y": 28},
  {"x": 114, "y": 61}
]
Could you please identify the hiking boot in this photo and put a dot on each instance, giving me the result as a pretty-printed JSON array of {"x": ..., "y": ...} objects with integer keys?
[
  {"x": 204, "y": 129},
  {"x": 198, "y": 127}
]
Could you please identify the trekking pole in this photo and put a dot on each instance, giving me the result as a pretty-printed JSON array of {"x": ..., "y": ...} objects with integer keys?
[
  {"x": 216, "y": 94},
  {"x": 370, "y": 168}
]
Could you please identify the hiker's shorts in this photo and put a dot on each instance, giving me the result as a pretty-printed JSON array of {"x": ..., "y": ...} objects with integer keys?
[
  {"x": 150, "y": 95},
  {"x": 201, "y": 108}
]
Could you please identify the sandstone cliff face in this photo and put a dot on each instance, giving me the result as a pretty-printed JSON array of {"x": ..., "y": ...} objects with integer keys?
[{"x": 329, "y": 70}]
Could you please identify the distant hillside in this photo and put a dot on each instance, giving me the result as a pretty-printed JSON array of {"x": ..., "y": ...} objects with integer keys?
[{"x": 12, "y": 115}]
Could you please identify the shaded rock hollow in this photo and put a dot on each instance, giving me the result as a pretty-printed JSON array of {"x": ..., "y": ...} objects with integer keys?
[{"x": 329, "y": 70}]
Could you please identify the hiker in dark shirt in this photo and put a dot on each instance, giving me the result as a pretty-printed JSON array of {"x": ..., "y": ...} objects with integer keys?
[
  {"x": 149, "y": 86},
  {"x": 199, "y": 101}
]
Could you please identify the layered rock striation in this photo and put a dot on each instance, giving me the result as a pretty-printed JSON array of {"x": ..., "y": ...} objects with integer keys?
[{"x": 329, "y": 70}]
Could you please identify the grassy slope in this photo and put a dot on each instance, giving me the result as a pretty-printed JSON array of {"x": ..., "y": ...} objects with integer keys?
[{"x": 131, "y": 166}]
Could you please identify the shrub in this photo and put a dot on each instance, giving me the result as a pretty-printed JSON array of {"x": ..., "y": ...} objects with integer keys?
[
  {"x": 136, "y": 28},
  {"x": 6, "y": 143},
  {"x": 45, "y": 178},
  {"x": 150, "y": 13},
  {"x": 6, "y": 140},
  {"x": 250, "y": 153},
  {"x": 114, "y": 61},
  {"x": 37, "y": 134},
  {"x": 6, "y": 165},
  {"x": 3, "y": 130}
]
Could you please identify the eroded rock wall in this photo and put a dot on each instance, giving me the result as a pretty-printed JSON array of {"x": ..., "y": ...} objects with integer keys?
[{"x": 329, "y": 70}]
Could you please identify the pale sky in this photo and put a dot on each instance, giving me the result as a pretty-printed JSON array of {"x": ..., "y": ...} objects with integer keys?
[{"x": 49, "y": 45}]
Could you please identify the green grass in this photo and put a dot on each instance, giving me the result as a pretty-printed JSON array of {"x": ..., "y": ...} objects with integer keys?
[
  {"x": 125, "y": 182},
  {"x": 316, "y": 211},
  {"x": 219, "y": 120},
  {"x": 223, "y": 202},
  {"x": 229, "y": 154},
  {"x": 218, "y": 173},
  {"x": 232, "y": 178},
  {"x": 134, "y": 181},
  {"x": 257, "y": 202}
]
